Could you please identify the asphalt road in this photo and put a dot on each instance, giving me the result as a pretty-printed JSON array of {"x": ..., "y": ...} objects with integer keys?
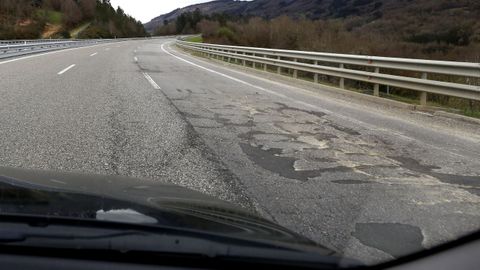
[{"x": 369, "y": 181}]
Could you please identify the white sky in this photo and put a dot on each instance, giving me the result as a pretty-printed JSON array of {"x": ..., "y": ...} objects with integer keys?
[{"x": 145, "y": 10}]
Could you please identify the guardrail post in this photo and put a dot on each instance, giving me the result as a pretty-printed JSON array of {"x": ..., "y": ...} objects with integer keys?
[
  {"x": 265, "y": 66},
  {"x": 376, "y": 87},
  {"x": 295, "y": 72},
  {"x": 279, "y": 69},
  {"x": 373, "y": 74},
  {"x": 423, "y": 95},
  {"x": 342, "y": 80}
]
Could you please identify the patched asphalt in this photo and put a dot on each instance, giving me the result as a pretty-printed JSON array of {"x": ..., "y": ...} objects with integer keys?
[{"x": 371, "y": 182}]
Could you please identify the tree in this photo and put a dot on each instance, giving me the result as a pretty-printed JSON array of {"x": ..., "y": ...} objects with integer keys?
[
  {"x": 71, "y": 12},
  {"x": 54, "y": 4},
  {"x": 88, "y": 8}
]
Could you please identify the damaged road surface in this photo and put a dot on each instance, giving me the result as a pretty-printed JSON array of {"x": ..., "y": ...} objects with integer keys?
[
  {"x": 371, "y": 182},
  {"x": 348, "y": 176}
]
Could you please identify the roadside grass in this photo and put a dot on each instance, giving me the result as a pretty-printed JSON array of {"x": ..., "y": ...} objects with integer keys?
[
  {"x": 471, "y": 113},
  {"x": 53, "y": 17},
  {"x": 403, "y": 99},
  {"x": 198, "y": 39}
]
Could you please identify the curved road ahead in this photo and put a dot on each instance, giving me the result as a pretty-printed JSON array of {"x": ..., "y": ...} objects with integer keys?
[{"x": 369, "y": 181}]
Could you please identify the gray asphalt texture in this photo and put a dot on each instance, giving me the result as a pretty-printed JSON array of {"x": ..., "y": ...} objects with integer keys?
[{"x": 369, "y": 181}]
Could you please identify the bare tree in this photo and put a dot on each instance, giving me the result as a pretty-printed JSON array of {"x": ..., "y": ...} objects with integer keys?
[
  {"x": 71, "y": 11},
  {"x": 88, "y": 8}
]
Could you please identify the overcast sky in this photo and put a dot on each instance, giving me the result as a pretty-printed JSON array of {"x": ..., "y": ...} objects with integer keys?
[{"x": 145, "y": 10}]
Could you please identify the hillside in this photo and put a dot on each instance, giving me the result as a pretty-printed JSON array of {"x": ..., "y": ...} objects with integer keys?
[
  {"x": 31, "y": 19},
  {"x": 311, "y": 9},
  {"x": 387, "y": 14},
  {"x": 433, "y": 29}
]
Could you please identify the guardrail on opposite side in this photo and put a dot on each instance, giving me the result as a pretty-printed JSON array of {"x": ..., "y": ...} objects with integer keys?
[
  {"x": 11, "y": 48},
  {"x": 354, "y": 67}
]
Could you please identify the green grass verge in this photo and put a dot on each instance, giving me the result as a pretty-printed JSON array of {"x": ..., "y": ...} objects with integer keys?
[
  {"x": 470, "y": 113},
  {"x": 53, "y": 17},
  {"x": 197, "y": 39}
]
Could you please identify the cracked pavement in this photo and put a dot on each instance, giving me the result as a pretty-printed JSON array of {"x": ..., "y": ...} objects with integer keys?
[{"x": 369, "y": 181}]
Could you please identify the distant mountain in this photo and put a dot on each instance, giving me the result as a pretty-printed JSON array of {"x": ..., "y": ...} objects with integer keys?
[{"x": 313, "y": 9}]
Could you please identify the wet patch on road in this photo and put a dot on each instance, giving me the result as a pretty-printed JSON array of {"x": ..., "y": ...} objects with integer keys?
[
  {"x": 469, "y": 183},
  {"x": 393, "y": 238},
  {"x": 284, "y": 166}
]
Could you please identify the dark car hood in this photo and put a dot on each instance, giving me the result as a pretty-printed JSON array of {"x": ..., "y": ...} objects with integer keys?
[{"x": 122, "y": 199}]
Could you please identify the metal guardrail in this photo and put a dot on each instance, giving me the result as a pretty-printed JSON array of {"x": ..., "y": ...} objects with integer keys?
[
  {"x": 29, "y": 41},
  {"x": 365, "y": 68},
  {"x": 12, "y": 48}
]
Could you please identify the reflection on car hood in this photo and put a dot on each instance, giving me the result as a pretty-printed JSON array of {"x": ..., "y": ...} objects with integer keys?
[{"x": 122, "y": 199}]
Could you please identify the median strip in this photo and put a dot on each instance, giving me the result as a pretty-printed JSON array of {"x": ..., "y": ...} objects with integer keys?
[
  {"x": 65, "y": 70},
  {"x": 151, "y": 81}
]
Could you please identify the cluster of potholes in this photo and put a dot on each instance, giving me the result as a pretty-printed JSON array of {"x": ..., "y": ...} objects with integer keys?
[{"x": 296, "y": 139}]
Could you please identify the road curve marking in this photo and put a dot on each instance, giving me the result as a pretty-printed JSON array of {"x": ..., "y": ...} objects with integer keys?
[
  {"x": 93, "y": 54},
  {"x": 364, "y": 124},
  {"x": 224, "y": 75},
  {"x": 151, "y": 81},
  {"x": 67, "y": 69}
]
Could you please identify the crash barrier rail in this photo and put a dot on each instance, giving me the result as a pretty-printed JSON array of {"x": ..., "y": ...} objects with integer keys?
[
  {"x": 10, "y": 48},
  {"x": 370, "y": 69}
]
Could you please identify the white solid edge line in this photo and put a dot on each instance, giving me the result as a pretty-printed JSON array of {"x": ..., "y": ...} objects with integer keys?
[
  {"x": 305, "y": 103},
  {"x": 48, "y": 53},
  {"x": 224, "y": 75},
  {"x": 65, "y": 70},
  {"x": 151, "y": 81},
  {"x": 136, "y": 59},
  {"x": 93, "y": 54}
]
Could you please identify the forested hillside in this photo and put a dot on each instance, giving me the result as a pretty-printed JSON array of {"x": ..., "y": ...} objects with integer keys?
[
  {"x": 428, "y": 29},
  {"x": 30, "y": 19},
  {"x": 434, "y": 29}
]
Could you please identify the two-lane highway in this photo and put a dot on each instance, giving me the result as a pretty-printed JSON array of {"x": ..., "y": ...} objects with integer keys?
[
  {"x": 370, "y": 182},
  {"x": 91, "y": 110}
]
